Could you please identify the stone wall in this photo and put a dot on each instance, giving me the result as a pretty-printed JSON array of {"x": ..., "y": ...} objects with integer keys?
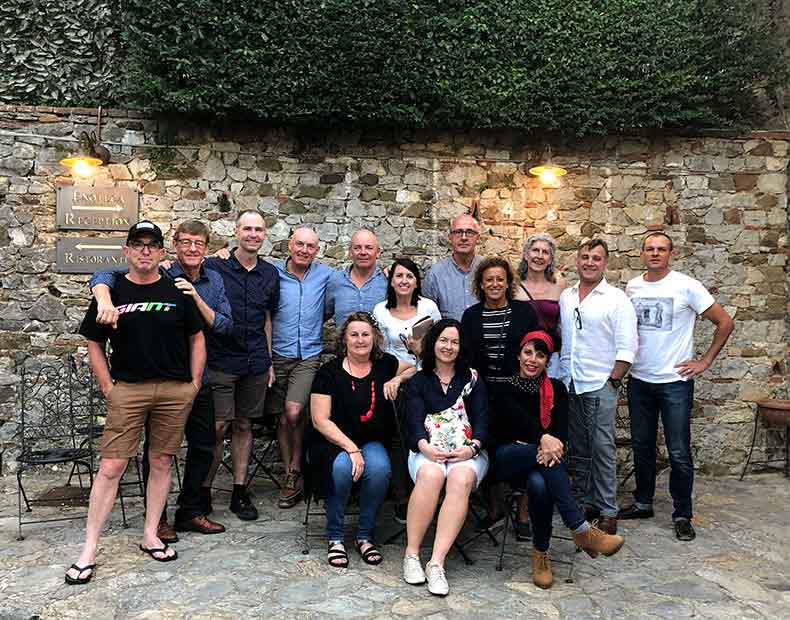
[{"x": 723, "y": 199}]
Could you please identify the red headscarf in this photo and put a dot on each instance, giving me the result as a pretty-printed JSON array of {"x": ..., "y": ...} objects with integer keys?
[{"x": 546, "y": 389}]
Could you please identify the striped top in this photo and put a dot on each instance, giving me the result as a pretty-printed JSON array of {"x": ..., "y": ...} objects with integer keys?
[{"x": 495, "y": 328}]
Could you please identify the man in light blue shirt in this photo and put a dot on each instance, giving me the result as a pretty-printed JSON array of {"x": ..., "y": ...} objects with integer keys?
[
  {"x": 361, "y": 286},
  {"x": 449, "y": 282},
  {"x": 297, "y": 329}
]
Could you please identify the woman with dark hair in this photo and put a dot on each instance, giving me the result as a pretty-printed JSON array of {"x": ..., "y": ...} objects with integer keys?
[
  {"x": 447, "y": 409},
  {"x": 531, "y": 431},
  {"x": 354, "y": 424},
  {"x": 404, "y": 307},
  {"x": 494, "y": 326}
]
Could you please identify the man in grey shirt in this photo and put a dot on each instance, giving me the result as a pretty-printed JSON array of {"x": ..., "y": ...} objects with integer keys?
[{"x": 449, "y": 282}]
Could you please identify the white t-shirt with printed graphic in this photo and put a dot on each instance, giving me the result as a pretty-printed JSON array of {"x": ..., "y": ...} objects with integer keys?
[{"x": 666, "y": 311}]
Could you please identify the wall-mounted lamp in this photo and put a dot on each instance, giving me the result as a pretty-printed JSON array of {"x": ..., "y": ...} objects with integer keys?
[
  {"x": 90, "y": 153},
  {"x": 548, "y": 173}
]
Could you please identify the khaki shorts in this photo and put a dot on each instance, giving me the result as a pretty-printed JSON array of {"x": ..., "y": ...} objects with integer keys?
[
  {"x": 237, "y": 396},
  {"x": 165, "y": 405},
  {"x": 293, "y": 382}
]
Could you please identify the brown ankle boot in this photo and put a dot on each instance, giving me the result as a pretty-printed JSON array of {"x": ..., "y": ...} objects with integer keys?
[
  {"x": 541, "y": 569},
  {"x": 594, "y": 541}
]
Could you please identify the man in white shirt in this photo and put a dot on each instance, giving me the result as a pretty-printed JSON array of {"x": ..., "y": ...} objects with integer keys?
[
  {"x": 599, "y": 342},
  {"x": 662, "y": 378}
]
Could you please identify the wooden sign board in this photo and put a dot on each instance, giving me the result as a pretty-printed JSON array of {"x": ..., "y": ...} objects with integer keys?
[
  {"x": 97, "y": 208},
  {"x": 89, "y": 254}
]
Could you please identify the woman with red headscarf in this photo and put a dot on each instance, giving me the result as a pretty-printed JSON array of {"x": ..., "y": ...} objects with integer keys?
[{"x": 531, "y": 431}]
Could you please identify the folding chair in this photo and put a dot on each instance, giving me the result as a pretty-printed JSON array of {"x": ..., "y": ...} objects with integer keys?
[
  {"x": 53, "y": 407},
  {"x": 314, "y": 501},
  {"x": 263, "y": 454},
  {"x": 579, "y": 472}
]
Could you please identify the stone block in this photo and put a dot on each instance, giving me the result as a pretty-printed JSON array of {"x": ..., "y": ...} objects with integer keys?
[{"x": 772, "y": 183}]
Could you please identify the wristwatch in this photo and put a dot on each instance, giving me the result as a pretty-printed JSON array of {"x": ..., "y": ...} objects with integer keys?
[
  {"x": 475, "y": 447},
  {"x": 616, "y": 383}
]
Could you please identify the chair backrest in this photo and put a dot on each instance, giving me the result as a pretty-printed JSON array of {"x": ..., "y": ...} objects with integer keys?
[{"x": 57, "y": 403}]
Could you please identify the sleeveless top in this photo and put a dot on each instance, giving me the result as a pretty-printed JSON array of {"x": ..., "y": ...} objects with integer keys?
[{"x": 548, "y": 310}]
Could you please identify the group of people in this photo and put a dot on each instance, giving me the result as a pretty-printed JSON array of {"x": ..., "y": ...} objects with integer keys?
[{"x": 503, "y": 378}]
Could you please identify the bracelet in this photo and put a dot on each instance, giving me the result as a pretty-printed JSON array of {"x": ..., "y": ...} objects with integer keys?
[{"x": 353, "y": 451}]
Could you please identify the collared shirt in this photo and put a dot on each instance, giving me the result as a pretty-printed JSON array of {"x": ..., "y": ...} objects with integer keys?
[
  {"x": 297, "y": 325},
  {"x": 209, "y": 285},
  {"x": 451, "y": 287},
  {"x": 344, "y": 297},
  {"x": 252, "y": 294},
  {"x": 601, "y": 333}
]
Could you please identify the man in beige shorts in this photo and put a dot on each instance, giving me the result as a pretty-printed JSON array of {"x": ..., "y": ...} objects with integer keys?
[{"x": 154, "y": 373}]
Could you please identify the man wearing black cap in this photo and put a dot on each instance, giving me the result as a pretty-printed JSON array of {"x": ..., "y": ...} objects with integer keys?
[{"x": 155, "y": 369}]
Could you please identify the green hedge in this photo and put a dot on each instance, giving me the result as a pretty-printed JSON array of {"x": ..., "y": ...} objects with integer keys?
[
  {"x": 60, "y": 53},
  {"x": 578, "y": 66},
  {"x": 582, "y": 66}
]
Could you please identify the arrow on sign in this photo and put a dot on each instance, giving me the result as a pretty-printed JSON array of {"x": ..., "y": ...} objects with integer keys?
[
  {"x": 82, "y": 246},
  {"x": 76, "y": 208}
]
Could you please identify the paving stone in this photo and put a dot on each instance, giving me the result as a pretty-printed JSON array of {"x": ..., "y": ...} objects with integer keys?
[{"x": 737, "y": 567}]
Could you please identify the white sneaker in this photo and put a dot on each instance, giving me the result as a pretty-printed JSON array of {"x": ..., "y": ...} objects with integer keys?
[
  {"x": 437, "y": 582},
  {"x": 412, "y": 570}
]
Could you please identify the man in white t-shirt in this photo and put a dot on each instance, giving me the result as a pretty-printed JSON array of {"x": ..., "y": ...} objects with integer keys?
[{"x": 662, "y": 377}]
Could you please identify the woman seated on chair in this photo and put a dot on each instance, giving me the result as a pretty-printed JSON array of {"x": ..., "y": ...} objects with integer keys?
[
  {"x": 531, "y": 431},
  {"x": 447, "y": 410},
  {"x": 349, "y": 410}
]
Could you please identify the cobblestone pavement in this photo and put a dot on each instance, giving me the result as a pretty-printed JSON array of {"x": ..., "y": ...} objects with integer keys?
[{"x": 739, "y": 567}]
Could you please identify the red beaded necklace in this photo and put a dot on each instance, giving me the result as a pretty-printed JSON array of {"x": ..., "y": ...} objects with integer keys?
[{"x": 369, "y": 413}]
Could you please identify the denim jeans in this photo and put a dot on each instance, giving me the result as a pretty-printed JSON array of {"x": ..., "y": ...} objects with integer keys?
[
  {"x": 201, "y": 435},
  {"x": 373, "y": 486},
  {"x": 673, "y": 401},
  {"x": 546, "y": 486},
  {"x": 591, "y": 423}
]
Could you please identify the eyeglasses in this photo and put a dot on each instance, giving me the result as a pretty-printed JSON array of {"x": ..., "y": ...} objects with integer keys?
[
  {"x": 577, "y": 317},
  {"x": 139, "y": 246},
  {"x": 464, "y": 232},
  {"x": 187, "y": 243}
]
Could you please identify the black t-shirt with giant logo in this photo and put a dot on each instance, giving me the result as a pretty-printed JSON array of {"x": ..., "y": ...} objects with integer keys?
[{"x": 152, "y": 338}]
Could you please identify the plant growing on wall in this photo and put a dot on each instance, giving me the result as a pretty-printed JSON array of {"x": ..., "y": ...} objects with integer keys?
[{"x": 59, "y": 53}]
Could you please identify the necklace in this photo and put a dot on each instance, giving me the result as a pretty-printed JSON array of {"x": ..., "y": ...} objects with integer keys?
[
  {"x": 442, "y": 382},
  {"x": 365, "y": 417}
]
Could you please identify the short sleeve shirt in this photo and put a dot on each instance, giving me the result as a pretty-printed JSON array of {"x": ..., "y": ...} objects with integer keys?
[
  {"x": 352, "y": 398},
  {"x": 666, "y": 312},
  {"x": 154, "y": 326}
]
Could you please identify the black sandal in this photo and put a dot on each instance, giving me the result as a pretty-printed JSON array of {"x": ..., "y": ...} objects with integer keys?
[
  {"x": 336, "y": 555},
  {"x": 163, "y": 551},
  {"x": 78, "y": 581},
  {"x": 371, "y": 555}
]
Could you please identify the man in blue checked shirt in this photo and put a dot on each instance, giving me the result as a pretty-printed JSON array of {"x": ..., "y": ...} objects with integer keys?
[
  {"x": 361, "y": 286},
  {"x": 207, "y": 289}
]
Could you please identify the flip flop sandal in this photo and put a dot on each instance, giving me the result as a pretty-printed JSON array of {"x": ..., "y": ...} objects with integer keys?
[
  {"x": 167, "y": 558},
  {"x": 371, "y": 555},
  {"x": 78, "y": 581},
  {"x": 336, "y": 555}
]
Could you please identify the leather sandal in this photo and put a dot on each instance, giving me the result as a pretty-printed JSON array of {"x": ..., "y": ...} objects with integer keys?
[
  {"x": 336, "y": 555},
  {"x": 371, "y": 555}
]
